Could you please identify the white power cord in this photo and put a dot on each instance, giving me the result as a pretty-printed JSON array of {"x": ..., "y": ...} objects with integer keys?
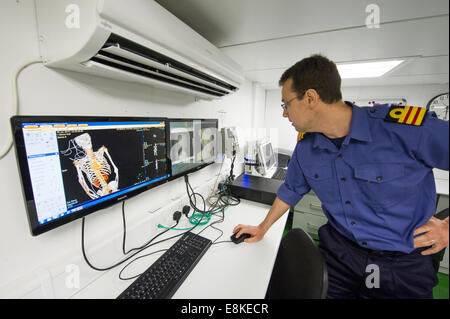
[{"x": 15, "y": 103}]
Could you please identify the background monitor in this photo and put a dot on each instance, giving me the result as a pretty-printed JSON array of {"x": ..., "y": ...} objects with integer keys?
[
  {"x": 209, "y": 141},
  {"x": 266, "y": 156},
  {"x": 193, "y": 144},
  {"x": 73, "y": 166}
]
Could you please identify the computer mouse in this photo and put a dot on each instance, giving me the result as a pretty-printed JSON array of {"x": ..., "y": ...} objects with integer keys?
[{"x": 240, "y": 239}]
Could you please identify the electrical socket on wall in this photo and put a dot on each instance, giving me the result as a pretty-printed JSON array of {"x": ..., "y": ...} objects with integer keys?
[{"x": 165, "y": 217}]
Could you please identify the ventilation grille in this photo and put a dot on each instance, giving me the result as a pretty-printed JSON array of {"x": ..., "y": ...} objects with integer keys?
[{"x": 128, "y": 56}]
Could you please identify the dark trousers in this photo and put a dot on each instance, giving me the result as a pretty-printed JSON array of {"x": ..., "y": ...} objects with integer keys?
[{"x": 359, "y": 273}]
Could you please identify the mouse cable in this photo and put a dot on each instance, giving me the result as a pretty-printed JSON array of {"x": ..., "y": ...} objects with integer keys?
[
  {"x": 227, "y": 205},
  {"x": 217, "y": 222},
  {"x": 195, "y": 219},
  {"x": 128, "y": 278},
  {"x": 163, "y": 250},
  {"x": 127, "y": 258},
  {"x": 209, "y": 213},
  {"x": 114, "y": 265},
  {"x": 147, "y": 246},
  {"x": 218, "y": 229},
  {"x": 138, "y": 249},
  {"x": 223, "y": 198},
  {"x": 202, "y": 214},
  {"x": 222, "y": 203},
  {"x": 228, "y": 202},
  {"x": 222, "y": 241}
]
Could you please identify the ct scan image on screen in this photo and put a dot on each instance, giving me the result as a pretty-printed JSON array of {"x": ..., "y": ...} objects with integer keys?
[{"x": 77, "y": 165}]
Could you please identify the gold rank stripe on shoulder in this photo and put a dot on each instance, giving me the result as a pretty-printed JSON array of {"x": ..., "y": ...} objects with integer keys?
[
  {"x": 411, "y": 115},
  {"x": 300, "y": 136}
]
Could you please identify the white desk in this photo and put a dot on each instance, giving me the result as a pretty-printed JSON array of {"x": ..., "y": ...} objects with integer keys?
[{"x": 226, "y": 271}]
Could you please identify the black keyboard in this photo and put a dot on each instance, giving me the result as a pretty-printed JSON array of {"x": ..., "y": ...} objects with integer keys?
[
  {"x": 162, "y": 279},
  {"x": 280, "y": 174}
]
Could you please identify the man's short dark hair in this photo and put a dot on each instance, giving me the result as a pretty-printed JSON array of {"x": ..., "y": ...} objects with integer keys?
[{"x": 318, "y": 73}]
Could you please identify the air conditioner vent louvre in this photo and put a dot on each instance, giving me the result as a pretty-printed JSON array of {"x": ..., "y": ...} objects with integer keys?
[
  {"x": 152, "y": 72},
  {"x": 128, "y": 56},
  {"x": 153, "y": 76}
]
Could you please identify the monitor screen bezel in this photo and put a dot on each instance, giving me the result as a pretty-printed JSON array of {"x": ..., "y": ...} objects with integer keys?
[
  {"x": 175, "y": 176},
  {"x": 27, "y": 192}
]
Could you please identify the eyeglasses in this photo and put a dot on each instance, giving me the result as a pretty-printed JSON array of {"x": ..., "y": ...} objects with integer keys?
[{"x": 285, "y": 105}]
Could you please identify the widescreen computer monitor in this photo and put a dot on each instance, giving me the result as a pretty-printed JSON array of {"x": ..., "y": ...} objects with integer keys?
[
  {"x": 73, "y": 166},
  {"x": 193, "y": 144},
  {"x": 266, "y": 156}
]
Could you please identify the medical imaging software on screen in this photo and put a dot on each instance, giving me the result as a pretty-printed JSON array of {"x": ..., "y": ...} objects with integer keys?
[{"x": 77, "y": 165}]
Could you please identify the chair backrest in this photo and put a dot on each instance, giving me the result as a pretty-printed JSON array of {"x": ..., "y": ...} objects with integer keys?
[{"x": 300, "y": 271}]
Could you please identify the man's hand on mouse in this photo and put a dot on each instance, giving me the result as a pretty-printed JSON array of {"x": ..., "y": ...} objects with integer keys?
[{"x": 257, "y": 232}]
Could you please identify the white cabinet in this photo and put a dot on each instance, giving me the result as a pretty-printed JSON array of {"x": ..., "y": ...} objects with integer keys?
[{"x": 308, "y": 215}]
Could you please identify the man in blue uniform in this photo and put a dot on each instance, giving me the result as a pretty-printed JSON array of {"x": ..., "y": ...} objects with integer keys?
[{"x": 371, "y": 167}]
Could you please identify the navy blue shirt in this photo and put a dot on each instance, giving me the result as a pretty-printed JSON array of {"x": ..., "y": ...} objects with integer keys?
[{"x": 379, "y": 186}]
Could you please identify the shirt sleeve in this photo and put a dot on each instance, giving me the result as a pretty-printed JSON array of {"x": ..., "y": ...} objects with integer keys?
[
  {"x": 433, "y": 143},
  {"x": 295, "y": 184}
]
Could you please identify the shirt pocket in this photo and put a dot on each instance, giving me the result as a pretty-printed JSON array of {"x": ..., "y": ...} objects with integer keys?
[
  {"x": 381, "y": 184},
  {"x": 320, "y": 179}
]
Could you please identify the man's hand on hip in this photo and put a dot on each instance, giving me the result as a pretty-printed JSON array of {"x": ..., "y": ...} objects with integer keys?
[{"x": 434, "y": 233}]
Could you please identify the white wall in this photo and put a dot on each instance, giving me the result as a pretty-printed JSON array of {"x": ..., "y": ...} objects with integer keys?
[
  {"x": 417, "y": 95},
  {"x": 35, "y": 266},
  {"x": 287, "y": 136},
  {"x": 414, "y": 94}
]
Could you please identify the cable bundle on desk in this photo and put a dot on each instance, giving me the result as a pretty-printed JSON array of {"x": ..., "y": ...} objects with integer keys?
[
  {"x": 199, "y": 217},
  {"x": 138, "y": 249}
]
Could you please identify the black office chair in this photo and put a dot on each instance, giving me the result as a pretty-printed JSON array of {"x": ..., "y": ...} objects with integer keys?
[{"x": 300, "y": 271}]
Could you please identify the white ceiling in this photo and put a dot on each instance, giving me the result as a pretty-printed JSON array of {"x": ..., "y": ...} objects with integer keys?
[{"x": 267, "y": 36}]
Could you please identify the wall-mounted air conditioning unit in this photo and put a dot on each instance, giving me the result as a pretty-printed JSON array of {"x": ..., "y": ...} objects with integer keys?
[{"x": 133, "y": 40}]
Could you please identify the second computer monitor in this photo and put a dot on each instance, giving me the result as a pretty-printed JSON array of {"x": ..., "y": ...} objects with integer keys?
[{"x": 193, "y": 144}]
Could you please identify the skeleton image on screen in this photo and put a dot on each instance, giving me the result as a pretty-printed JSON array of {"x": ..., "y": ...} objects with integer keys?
[{"x": 97, "y": 173}]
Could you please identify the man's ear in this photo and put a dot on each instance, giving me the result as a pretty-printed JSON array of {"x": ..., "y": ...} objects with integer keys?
[{"x": 312, "y": 97}]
